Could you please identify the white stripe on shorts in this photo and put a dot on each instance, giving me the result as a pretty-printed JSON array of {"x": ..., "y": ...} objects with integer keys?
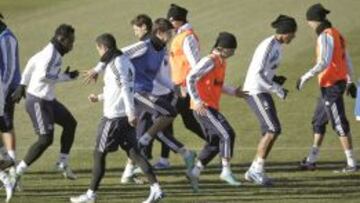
[
  {"x": 337, "y": 120},
  {"x": 39, "y": 118},
  {"x": 263, "y": 113},
  {"x": 104, "y": 136}
]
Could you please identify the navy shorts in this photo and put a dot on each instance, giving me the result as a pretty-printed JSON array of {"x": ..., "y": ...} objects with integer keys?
[
  {"x": 44, "y": 114},
  {"x": 113, "y": 133},
  {"x": 264, "y": 108},
  {"x": 331, "y": 107}
]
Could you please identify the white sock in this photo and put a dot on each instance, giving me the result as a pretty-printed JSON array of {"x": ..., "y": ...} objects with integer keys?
[
  {"x": 226, "y": 170},
  {"x": 63, "y": 159},
  {"x": 11, "y": 154},
  {"x": 145, "y": 139},
  {"x": 258, "y": 164},
  {"x": 197, "y": 169},
  {"x": 21, "y": 168},
  {"x": 164, "y": 160},
  {"x": 351, "y": 161},
  {"x": 90, "y": 193},
  {"x": 128, "y": 171},
  {"x": 313, "y": 154},
  {"x": 155, "y": 187},
  {"x": 4, "y": 178}
]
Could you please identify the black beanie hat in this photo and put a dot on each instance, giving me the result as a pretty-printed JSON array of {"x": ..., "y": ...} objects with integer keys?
[
  {"x": 316, "y": 12},
  {"x": 177, "y": 13},
  {"x": 226, "y": 40},
  {"x": 284, "y": 24}
]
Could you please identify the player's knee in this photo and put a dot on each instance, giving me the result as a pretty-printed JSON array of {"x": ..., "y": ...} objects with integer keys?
[
  {"x": 71, "y": 124},
  {"x": 45, "y": 140},
  {"x": 319, "y": 129}
]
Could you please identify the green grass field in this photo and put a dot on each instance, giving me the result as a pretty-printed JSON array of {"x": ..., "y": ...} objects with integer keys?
[{"x": 34, "y": 22}]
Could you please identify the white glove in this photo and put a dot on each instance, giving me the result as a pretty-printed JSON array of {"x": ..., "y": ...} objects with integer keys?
[{"x": 301, "y": 81}]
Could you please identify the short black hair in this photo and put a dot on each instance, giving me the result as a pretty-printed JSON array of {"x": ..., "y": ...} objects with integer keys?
[
  {"x": 64, "y": 30},
  {"x": 142, "y": 19},
  {"x": 162, "y": 25},
  {"x": 107, "y": 40}
]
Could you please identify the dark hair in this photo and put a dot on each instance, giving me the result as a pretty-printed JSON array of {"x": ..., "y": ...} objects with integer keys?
[
  {"x": 107, "y": 40},
  {"x": 64, "y": 31},
  {"x": 142, "y": 19},
  {"x": 162, "y": 25}
]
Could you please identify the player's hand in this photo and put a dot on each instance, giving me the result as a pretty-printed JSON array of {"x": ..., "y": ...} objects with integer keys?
[
  {"x": 200, "y": 109},
  {"x": 132, "y": 121},
  {"x": 279, "y": 79},
  {"x": 282, "y": 93},
  {"x": 302, "y": 80},
  {"x": 72, "y": 74},
  {"x": 19, "y": 93},
  {"x": 90, "y": 76},
  {"x": 351, "y": 90},
  {"x": 240, "y": 93},
  {"x": 93, "y": 98}
]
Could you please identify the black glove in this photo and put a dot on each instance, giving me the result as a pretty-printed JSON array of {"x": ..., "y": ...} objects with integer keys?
[
  {"x": 19, "y": 92},
  {"x": 351, "y": 90},
  {"x": 279, "y": 79},
  {"x": 286, "y": 92},
  {"x": 72, "y": 74}
]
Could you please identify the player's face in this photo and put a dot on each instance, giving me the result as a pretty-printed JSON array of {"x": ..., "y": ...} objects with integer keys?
[
  {"x": 165, "y": 36},
  {"x": 139, "y": 31},
  {"x": 288, "y": 37},
  {"x": 101, "y": 49},
  {"x": 226, "y": 52},
  {"x": 68, "y": 42}
]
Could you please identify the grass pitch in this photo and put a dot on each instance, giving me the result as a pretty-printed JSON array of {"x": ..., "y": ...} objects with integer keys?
[{"x": 34, "y": 22}]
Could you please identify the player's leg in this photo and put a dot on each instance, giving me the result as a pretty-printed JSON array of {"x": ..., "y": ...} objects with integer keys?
[
  {"x": 9, "y": 140},
  {"x": 264, "y": 108},
  {"x": 106, "y": 141},
  {"x": 336, "y": 113},
  {"x": 157, "y": 106},
  {"x": 41, "y": 115},
  {"x": 66, "y": 120},
  {"x": 5, "y": 163},
  {"x": 128, "y": 143},
  {"x": 319, "y": 122}
]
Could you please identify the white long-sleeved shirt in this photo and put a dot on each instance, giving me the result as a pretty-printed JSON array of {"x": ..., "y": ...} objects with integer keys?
[
  {"x": 42, "y": 72},
  {"x": 191, "y": 46},
  {"x": 263, "y": 66},
  {"x": 326, "y": 48},
  {"x": 118, "y": 91}
]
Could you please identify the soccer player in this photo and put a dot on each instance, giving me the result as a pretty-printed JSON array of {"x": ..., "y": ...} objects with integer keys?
[
  {"x": 148, "y": 57},
  {"x": 205, "y": 84},
  {"x": 261, "y": 81},
  {"x": 4, "y": 163},
  {"x": 39, "y": 79},
  {"x": 142, "y": 26},
  {"x": 335, "y": 75},
  {"x": 184, "y": 55},
  {"x": 10, "y": 73},
  {"x": 116, "y": 127}
]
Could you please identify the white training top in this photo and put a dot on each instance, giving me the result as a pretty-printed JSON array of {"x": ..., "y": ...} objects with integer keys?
[
  {"x": 263, "y": 67},
  {"x": 42, "y": 72},
  {"x": 118, "y": 91},
  {"x": 191, "y": 46}
]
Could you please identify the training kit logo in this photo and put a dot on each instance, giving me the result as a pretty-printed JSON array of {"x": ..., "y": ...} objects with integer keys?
[{"x": 266, "y": 105}]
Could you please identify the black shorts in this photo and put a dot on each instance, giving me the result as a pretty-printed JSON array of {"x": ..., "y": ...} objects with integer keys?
[
  {"x": 44, "y": 114},
  {"x": 113, "y": 133},
  {"x": 264, "y": 108}
]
